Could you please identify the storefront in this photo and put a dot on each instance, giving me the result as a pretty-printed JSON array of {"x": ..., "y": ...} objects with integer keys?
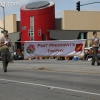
[
  {"x": 88, "y": 21},
  {"x": 76, "y": 25}
]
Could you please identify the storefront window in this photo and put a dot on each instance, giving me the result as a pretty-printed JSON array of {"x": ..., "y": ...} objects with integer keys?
[
  {"x": 31, "y": 38},
  {"x": 82, "y": 35},
  {"x": 31, "y": 22},
  {"x": 31, "y": 32}
]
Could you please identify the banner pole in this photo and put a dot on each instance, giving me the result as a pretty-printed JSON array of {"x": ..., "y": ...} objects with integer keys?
[{"x": 84, "y": 49}]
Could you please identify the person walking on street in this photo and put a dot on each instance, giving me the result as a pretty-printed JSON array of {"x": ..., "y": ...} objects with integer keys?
[
  {"x": 5, "y": 54},
  {"x": 95, "y": 46}
]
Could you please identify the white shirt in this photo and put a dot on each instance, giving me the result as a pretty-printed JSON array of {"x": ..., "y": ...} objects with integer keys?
[{"x": 14, "y": 53}]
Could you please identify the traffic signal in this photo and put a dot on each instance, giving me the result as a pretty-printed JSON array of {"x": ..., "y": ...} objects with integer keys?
[
  {"x": 43, "y": 37},
  {"x": 78, "y": 6}
]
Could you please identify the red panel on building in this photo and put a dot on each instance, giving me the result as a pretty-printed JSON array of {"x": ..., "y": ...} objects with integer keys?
[{"x": 36, "y": 19}]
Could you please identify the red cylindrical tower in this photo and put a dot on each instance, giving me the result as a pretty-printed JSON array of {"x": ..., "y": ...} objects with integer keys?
[{"x": 36, "y": 19}]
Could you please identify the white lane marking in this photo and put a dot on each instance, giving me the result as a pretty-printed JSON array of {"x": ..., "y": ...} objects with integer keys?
[{"x": 52, "y": 87}]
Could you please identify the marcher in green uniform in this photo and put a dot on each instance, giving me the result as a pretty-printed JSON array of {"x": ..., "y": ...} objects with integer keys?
[
  {"x": 95, "y": 46},
  {"x": 5, "y": 54}
]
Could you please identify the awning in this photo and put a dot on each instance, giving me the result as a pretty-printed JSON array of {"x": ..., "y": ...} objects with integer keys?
[
  {"x": 64, "y": 35},
  {"x": 14, "y": 36},
  {"x": 67, "y": 34}
]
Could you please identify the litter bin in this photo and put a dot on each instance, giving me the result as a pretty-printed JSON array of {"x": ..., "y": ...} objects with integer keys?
[{"x": 76, "y": 58}]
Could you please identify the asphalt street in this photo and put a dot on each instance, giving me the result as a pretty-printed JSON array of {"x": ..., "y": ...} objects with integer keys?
[{"x": 50, "y": 80}]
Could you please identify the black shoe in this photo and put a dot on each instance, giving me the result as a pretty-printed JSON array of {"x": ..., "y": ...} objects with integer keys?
[{"x": 5, "y": 70}]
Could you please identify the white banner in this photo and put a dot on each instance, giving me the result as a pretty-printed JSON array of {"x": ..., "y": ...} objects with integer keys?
[{"x": 54, "y": 48}]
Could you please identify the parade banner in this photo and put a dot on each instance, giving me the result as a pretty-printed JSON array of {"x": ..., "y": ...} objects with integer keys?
[{"x": 54, "y": 48}]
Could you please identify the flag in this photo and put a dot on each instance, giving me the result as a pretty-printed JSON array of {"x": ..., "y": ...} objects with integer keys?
[{"x": 78, "y": 47}]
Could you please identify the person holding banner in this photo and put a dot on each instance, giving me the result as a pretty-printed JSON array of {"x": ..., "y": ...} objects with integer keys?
[
  {"x": 5, "y": 54},
  {"x": 95, "y": 45}
]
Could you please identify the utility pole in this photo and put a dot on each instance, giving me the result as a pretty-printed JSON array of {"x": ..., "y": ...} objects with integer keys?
[{"x": 3, "y": 17}]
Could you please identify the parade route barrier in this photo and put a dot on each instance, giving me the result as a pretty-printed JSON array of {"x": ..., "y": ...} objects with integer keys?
[{"x": 55, "y": 48}]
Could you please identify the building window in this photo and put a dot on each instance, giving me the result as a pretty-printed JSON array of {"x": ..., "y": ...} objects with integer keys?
[
  {"x": 32, "y": 22},
  {"x": 31, "y": 30},
  {"x": 39, "y": 32},
  {"x": 31, "y": 34},
  {"x": 31, "y": 38},
  {"x": 82, "y": 35}
]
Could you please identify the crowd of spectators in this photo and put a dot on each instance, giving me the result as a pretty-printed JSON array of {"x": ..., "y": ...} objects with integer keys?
[
  {"x": 89, "y": 54},
  {"x": 18, "y": 54}
]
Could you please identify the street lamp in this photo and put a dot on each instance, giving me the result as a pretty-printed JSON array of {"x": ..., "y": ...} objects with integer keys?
[{"x": 3, "y": 17}]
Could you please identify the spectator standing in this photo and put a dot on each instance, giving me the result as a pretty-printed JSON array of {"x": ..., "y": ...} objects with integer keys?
[{"x": 95, "y": 45}]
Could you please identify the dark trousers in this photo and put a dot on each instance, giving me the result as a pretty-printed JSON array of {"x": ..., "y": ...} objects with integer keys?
[
  {"x": 85, "y": 56},
  {"x": 95, "y": 56},
  {"x": 5, "y": 58}
]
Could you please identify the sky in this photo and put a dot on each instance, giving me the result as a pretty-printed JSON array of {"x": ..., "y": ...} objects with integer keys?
[{"x": 60, "y": 5}]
